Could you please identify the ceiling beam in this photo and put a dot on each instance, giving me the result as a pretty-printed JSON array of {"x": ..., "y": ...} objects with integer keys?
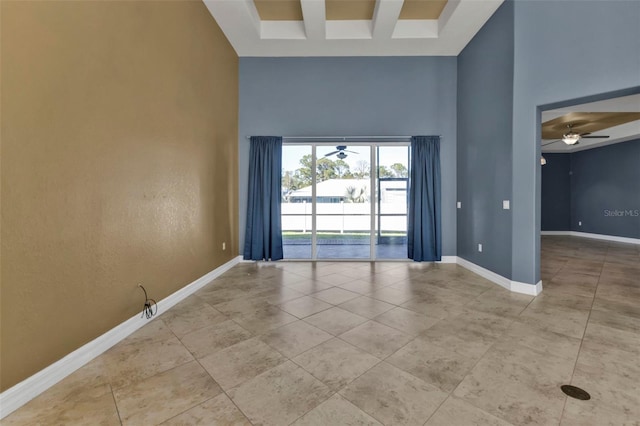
[
  {"x": 314, "y": 36},
  {"x": 314, "y": 15},
  {"x": 385, "y": 18},
  {"x": 238, "y": 19}
]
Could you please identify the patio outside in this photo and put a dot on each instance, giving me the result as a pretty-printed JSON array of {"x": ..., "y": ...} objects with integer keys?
[{"x": 343, "y": 226}]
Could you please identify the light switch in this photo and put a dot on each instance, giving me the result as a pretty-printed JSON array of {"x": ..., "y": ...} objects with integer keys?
[
  {"x": 459, "y": 204},
  {"x": 505, "y": 204}
]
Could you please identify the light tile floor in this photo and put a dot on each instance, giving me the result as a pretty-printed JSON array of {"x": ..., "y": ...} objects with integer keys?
[{"x": 370, "y": 344}]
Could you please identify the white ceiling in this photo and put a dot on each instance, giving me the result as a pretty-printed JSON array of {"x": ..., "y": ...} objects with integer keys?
[
  {"x": 384, "y": 35},
  {"x": 616, "y": 134}
]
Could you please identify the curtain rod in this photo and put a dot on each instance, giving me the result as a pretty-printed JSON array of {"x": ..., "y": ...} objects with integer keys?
[{"x": 345, "y": 138}]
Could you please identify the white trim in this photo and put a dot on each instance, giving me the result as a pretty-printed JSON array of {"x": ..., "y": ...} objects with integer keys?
[
  {"x": 448, "y": 259},
  {"x": 416, "y": 29},
  {"x": 373, "y": 197},
  {"x": 385, "y": 17},
  {"x": 282, "y": 30},
  {"x": 348, "y": 30},
  {"x": 514, "y": 286},
  {"x": 23, "y": 392},
  {"x": 594, "y": 236},
  {"x": 524, "y": 288},
  {"x": 314, "y": 15},
  {"x": 485, "y": 273}
]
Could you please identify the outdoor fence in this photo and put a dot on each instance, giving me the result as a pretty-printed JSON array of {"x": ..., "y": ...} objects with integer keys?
[{"x": 343, "y": 217}]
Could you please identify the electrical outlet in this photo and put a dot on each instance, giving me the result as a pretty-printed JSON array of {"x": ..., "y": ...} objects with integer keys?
[
  {"x": 480, "y": 248},
  {"x": 459, "y": 204},
  {"x": 579, "y": 223},
  {"x": 224, "y": 246}
]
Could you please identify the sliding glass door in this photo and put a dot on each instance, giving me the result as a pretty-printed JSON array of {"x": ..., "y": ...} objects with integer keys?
[{"x": 336, "y": 206}]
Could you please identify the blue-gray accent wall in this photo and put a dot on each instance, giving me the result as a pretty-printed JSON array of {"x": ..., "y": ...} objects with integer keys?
[
  {"x": 352, "y": 96},
  {"x": 485, "y": 104},
  {"x": 605, "y": 190},
  {"x": 549, "y": 66},
  {"x": 595, "y": 191},
  {"x": 544, "y": 72},
  {"x": 556, "y": 193}
]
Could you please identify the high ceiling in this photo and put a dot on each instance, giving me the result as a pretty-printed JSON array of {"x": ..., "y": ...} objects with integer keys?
[
  {"x": 350, "y": 27},
  {"x": 618, "y": 118}
]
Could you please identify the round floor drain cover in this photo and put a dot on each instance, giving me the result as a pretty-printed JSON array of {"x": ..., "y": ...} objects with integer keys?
[{"x": 575, "y": 392}]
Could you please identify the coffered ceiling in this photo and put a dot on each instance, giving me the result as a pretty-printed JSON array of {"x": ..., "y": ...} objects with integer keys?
[
  {"x": 617, "y": 118},
  {"x": 350, "y": 27}
]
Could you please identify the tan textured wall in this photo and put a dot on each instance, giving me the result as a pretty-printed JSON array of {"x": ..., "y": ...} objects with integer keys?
[{"x": 118, "y": 166}]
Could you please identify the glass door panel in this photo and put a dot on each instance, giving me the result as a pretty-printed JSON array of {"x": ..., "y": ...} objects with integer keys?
[
  {"x": 343, "y": 202},
  {"x": 392, "y": 202},
  {"x": 296, "y": 201}
]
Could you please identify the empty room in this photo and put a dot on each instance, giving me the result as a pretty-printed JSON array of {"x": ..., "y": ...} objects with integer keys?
[{"x": 320, "y": 212}]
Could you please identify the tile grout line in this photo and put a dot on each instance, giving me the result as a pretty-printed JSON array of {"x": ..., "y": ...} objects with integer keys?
[
  {"x": 354, "y": 379},
  {"x": 194, "y": 359},
  {"x": 307, "y": 350},
  {"x": 201, "y": 366},
  {"x": 207, "y": 372},
  {"x": 190, "y": 408},
  {"x": 224, "y": 391},
  {"x": 115, "y": 403},
  {"x": 450, "y": 394},
  {"x": 573, "y": 372},
  {"x": 153, "y": 375}
]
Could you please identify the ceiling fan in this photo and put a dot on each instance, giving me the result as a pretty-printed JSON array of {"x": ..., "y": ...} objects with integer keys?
[
  {"x": 573, "y": 138},
  {"x": 341, "y": 149}
]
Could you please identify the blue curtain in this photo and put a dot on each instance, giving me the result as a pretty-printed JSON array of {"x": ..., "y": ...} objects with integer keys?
[
  {"x": 263, "y": 238},
  {"x": 424, "y": 239}
]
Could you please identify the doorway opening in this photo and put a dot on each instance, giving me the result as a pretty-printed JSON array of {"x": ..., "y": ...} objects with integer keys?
[{"x": 588, "y": 162}]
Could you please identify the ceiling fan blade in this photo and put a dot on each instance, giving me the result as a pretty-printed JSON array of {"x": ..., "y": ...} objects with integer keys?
[
  {"x": 556, "y": 141},
  {"x": 594, "y": 137},
  {"x": 331, "y": 153},
  {"x": 353, "y": 152}
]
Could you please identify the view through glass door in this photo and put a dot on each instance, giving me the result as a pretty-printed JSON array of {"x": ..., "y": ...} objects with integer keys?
[{"x": 336, "y": 206}]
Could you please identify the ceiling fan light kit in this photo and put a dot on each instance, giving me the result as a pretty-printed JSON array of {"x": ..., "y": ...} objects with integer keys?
[
  {"x": 341, "y": 149},
  {"x": 571, "y": 138}
]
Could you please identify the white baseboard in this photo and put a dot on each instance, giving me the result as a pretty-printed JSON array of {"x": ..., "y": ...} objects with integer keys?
[
  {"x": 485, "y": 273},
  {"x": 23, "y": 392},
  {"x": 515, "y": 286},
  {"x": 449, "y": 259},
  {"x": 524, "y": 288},
  {"x": 555, "y": 232},
  {"x": 594, "y": 236}
]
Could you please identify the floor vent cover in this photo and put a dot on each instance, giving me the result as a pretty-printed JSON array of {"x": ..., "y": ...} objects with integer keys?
[{"x": 575, "y": 392}]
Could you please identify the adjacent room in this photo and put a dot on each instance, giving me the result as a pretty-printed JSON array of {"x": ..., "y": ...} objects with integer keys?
[{"x": 320, "y": 212}]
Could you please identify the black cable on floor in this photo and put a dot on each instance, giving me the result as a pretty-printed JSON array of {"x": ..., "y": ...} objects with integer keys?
[{"x": 149, "y": 305}]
